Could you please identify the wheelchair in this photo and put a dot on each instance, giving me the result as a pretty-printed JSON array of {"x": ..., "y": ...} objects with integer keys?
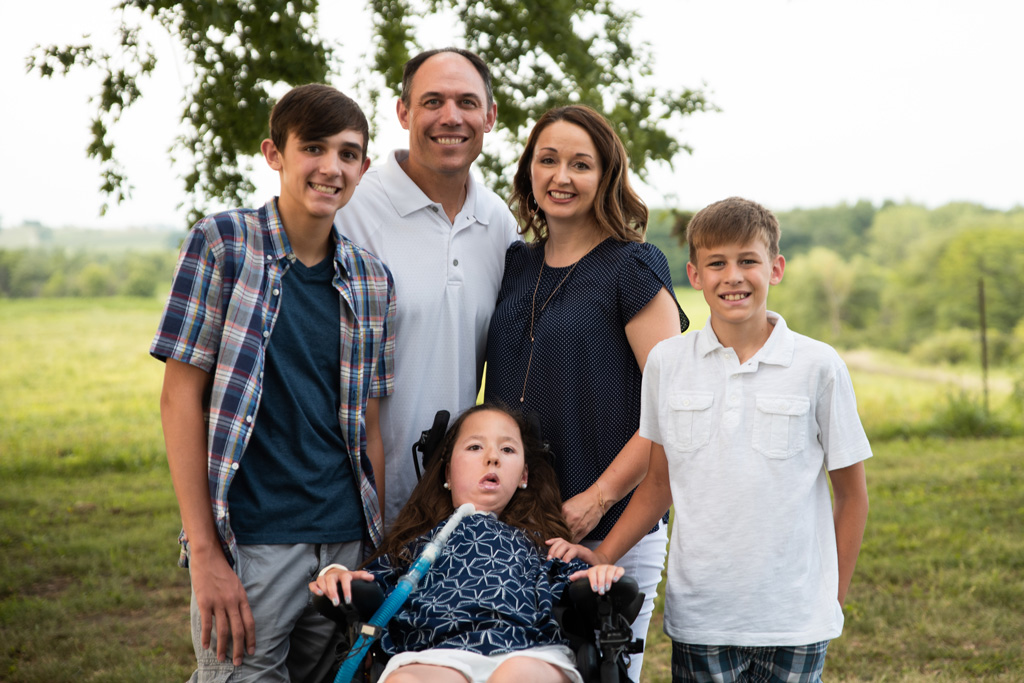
[{"x": 597, "y": 627}]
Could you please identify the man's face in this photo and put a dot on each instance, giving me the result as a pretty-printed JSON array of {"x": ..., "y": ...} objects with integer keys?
[{"x": 447, "y": 116}]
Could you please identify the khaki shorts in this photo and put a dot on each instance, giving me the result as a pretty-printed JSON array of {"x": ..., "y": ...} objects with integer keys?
[{"x": 478, "y": 668}]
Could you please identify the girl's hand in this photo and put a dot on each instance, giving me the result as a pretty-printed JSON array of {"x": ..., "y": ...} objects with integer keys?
[
  {"x": 601, "y": 577},
  {"x": 561, "y": 549},
  {"x": 582, "y": 513},
  {"x": 329, "y": 582}
]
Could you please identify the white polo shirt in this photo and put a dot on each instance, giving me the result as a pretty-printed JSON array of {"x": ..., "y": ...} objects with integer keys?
[
  {"x": 753, "y": 559},
  {"x": 446, "y": 283}
]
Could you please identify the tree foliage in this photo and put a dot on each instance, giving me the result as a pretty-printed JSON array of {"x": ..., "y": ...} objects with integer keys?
[{"x": 543, "y": 53}]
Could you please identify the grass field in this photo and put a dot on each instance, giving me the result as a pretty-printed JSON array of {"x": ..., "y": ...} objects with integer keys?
[{"x": 89, "y": 590}]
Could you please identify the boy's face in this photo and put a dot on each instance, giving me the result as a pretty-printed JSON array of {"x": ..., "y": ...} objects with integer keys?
[
  {"x": 318, "y": 177},
  {"x": 447, "y": 115},
  {"x": 735, "y": 280}
]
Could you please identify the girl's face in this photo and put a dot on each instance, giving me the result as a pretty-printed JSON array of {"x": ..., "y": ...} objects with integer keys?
[
  {"x": 565, "y": 173},
  {"x": 487, "y": 463}
]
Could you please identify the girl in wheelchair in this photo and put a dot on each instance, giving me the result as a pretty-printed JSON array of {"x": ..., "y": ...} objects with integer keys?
[{"x": 484, "y": 612}]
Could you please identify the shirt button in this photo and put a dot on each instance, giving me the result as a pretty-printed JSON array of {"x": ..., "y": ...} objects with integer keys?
[
  {"x": 455, "y": 262},
  {"x": 434, "y": 209},
  {"x": 266, "y": 333},
  {"x": 234, "y": 465},
  {"x": 276, "y": 291},
  {"x": 270, "y": 257},
  {"x": 248, "y": 419}
]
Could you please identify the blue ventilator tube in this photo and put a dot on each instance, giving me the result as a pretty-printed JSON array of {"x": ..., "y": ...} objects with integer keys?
[{"x": 398, "y": 596}]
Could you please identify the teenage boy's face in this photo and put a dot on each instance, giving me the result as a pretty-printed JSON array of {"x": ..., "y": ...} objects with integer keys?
[
  {"x": 447, "y": 115},
  {"x": 735, "y": 280},
  {"x": 318, "y": 177}
]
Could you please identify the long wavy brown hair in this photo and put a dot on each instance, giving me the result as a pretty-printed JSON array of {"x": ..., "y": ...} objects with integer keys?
[
  {"x": 537, "y": 509},
  {"x": 618, "y": 210}
]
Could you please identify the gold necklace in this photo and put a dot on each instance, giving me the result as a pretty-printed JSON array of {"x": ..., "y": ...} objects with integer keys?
[{"x": 533, "y": 303}]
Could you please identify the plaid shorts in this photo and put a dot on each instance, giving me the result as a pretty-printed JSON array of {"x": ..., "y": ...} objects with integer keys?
[{"x": 728, "y": 664}]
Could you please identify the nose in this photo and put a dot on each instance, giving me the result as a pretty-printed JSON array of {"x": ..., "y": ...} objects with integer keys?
[
  {"x": 561, "y": 174},
  {"x": 733, "y": 273},
  {"x": 451, "y": 115},
  {"x": 492, "y": 458},
  {"x": 330, "y": 165}
]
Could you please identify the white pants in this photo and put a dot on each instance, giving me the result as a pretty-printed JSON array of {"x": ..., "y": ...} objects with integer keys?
[{"x": 644, "y": 562}]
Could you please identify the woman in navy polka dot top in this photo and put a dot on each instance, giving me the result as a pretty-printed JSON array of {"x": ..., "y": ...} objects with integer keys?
[{"x": 578, "y": 311}]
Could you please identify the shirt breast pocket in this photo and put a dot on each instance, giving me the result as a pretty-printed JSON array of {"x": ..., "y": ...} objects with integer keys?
[
  {"x": 780, "y": 426},
  {"x": 690, "y": 421}
]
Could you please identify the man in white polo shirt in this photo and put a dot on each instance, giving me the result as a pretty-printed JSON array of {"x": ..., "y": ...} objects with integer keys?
[{"x": 444, "y": 237}]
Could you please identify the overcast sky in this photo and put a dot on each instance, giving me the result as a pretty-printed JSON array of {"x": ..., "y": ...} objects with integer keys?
[{"x": 822, "y": 101}]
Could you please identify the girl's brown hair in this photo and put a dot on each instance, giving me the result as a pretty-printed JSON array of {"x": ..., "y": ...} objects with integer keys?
[
  {"x": 537, "y": 509},
  {"x": 619, "y": 211}
]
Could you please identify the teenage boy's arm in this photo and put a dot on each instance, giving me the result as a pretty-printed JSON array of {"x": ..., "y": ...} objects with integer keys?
[
  {"x": 850, "y": 515},
  {"x": 219, "y": 593},
  {"x": 656, "y": 321},
  {"x": 375, "y": 447}
]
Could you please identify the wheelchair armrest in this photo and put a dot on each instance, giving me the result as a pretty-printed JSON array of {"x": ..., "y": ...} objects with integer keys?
[
  {"x": 367, "y": 597},
  {"x": 624, "y": 597}
]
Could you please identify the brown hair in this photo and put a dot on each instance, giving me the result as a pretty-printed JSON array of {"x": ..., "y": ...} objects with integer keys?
[
  {"x": 619, "y": 211},
  {"x": 732, "y": 221},
  {"x": 314, "y": 112},
  {"x": 413, "y": 65},
  {"x": 537, "y": 509}
]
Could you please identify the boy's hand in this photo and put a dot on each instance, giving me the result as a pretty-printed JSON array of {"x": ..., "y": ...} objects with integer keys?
[
  {"x": 561, "y": 549},
  {"x": 221, "y": 598},
  {"x": 601, "y": 577},
  {"x": 329, "y": 582}
]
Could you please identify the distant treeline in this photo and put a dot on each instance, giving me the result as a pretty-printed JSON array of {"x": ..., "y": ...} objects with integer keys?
[{"x": 898, "y": 276}]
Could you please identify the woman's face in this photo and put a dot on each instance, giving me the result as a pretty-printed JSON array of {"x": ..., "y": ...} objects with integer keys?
[
  {"x": 565, "y": 174},
  {"x": 488, "y": 462}
]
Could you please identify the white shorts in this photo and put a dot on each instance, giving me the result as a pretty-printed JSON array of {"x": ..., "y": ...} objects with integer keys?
[{"x": 478, "y": 668}]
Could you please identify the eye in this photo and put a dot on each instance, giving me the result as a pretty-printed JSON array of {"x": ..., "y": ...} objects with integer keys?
[
  {"x": 581, "y": 166},
  {"x": 545, "y": 161},
  {"x": 431, "y": 102},
  {"x": 349, "y": 155},
  {"x": 473, "y": 447},
  {"x": 312, "y": 149},
  {"x": 470, "y": 103},
  {"x": 510, "y": 450}
]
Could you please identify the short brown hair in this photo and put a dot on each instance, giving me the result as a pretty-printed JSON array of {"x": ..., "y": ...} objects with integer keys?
[
  {"x": 413, "y": 65},
  {"x": 732, "y": 221},
  {"x": 619, "y": 211},
  {"x": 314, "y": 112}
]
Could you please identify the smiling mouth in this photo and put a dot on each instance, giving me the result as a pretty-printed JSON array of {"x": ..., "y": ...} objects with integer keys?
[
  {"x": 449, "y": 140},
  {"x": 735, "y": 297},
  {"x": 326, "y": 189},
  {"x": 561, "y": 195}
]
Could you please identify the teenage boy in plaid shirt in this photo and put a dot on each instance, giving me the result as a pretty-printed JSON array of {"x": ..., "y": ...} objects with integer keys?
[{"x": 278, "y": 339}]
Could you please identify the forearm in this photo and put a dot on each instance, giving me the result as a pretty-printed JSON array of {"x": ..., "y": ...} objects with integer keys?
[
  {"x": 650, "y": 501},
  {"x": 184, "y": 425},
  {"x": 850, "y": 514},
  {"x": 375, "y": 447},
  {"x": 625, "y": 472}
]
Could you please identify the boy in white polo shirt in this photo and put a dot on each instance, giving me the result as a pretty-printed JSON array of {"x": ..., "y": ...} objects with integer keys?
[{"x": 750, "y": 421}]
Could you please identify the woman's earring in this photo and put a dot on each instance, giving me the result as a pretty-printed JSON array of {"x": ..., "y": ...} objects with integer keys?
[
  {"x": 530, "y": 199},
  {"x": 449, "y": 488},
  {"x": 523, "y": 485}
]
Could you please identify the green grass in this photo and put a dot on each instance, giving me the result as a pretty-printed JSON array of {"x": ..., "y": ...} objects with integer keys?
[{"x": 89, "y": 588}]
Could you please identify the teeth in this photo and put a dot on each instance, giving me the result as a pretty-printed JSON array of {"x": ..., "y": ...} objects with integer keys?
[
  {"x": 326, "y": 189},
  {"x": 734, "y": 297},
  {"x": 448, "y": 141},
  {"x": 561, "y": 195}
]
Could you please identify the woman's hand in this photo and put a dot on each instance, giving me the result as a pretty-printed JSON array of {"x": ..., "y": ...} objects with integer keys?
[
  {"x": 601, "y": 577},
  {"x": 328, "y": 583},
  {"x": 582, "y": 513},
  {"x": 561, "y": 549}
]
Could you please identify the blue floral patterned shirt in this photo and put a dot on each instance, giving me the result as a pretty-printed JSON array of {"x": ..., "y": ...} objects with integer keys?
[{"x": 490, "y": 591}]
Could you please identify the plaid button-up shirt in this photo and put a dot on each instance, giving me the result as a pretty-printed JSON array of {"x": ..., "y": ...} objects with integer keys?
[{"x": 221, "y": 311}]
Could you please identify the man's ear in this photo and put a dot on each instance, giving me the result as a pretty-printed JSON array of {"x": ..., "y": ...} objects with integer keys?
[
  {"x": 778, "y": 268},
  {"x": 403, "y": 113},
  {"x": 365, "y": 168},
  {"x": 271, "y": 154},
  {"x": 693, "y": 274},
  {"x": 492, "y": 118}
]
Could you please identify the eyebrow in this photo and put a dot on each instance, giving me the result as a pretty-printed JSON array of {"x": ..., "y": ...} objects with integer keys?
[
  {"x": 578, "y": 154},
  {"x": 441, "y": 95}
]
